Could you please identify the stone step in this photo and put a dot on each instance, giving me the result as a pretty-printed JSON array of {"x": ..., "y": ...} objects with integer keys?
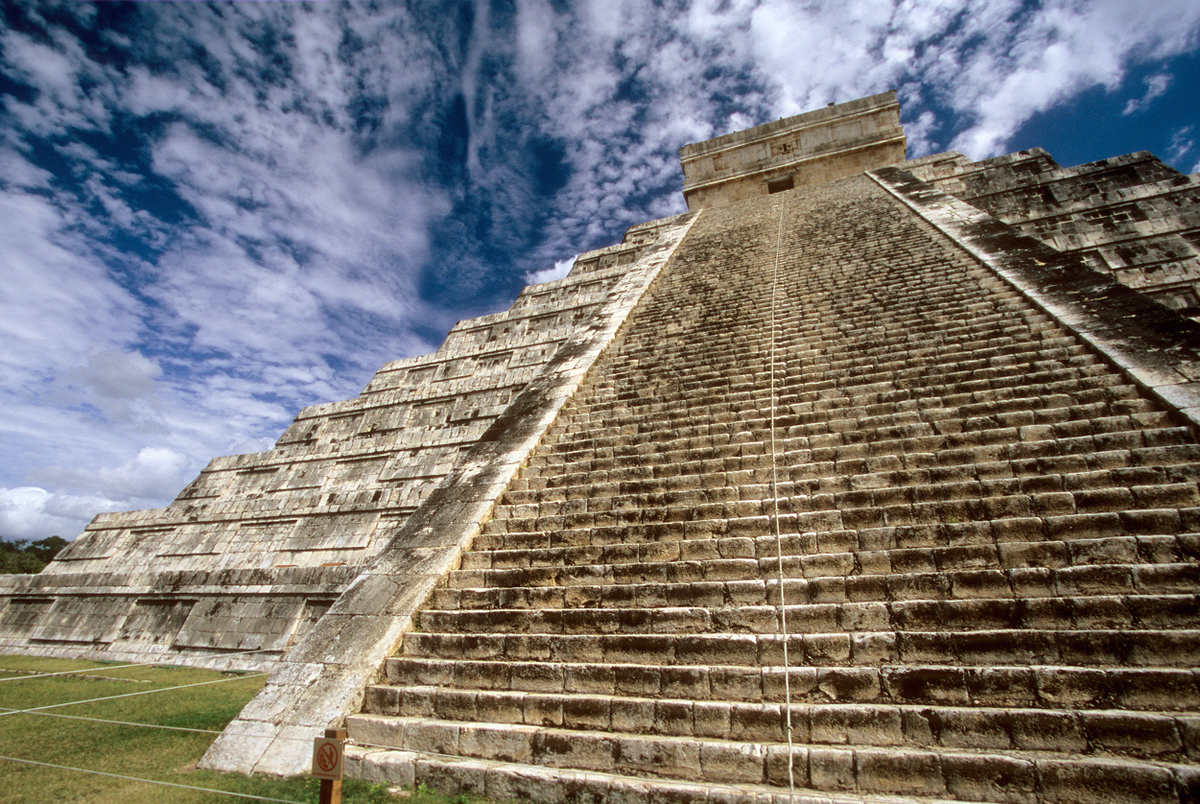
[
  {"x": 915, "y": 522},
  {"x": 664, "y": 428},
  {"x": 799, "y": 365},
  {"x": 1045, "y": 402},
  {"x": 959, "y": 392},
  {"x": 1049, "y": 396},
  {"x": 1106, "y": 732},
  {"x": 862, "y": 382},
  {"x": 1130, "y": 647},
  {"x": 814, "y": 399},
  {"x": 1030, "y": 584},
  {"x": 1037, "y": 589},
  {"x": 1051, "y": 687},
  {"x": 963, "y": 774},
  {"x": 916, "y": 476},
  {"x": 808, "y": 350},
  {"x": 990, "y": 549},
  {"x": 1050, "y": 613},
  {"x": 691, "y": 450},
  {"x": 500, "y": 781},
  {"x": 874, "y": 552},
  {"x": 993, "y": 355},
  {"x": 810, "y": 340},
  {"x": 1157, "y": 536},
  {"x": 809, "y": 364},
  {"x": 695, "y": 482},
  {"x": 1027, "y": 450},
  {"x": 916, "y": 460},
  {"x": 843, "y": 572},
  {"x": 506, "y": 781},
  {"x": 1050, "y": 518}
]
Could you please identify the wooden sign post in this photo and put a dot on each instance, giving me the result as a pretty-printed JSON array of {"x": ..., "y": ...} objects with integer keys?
[{"x": 328, "y": 762}]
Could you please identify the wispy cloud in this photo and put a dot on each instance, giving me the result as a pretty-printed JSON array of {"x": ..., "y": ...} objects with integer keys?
[
  {"x": 1156, "y": 87},
  {"x": 185, "y": 292},
  {"x": 1182, "y": 143}
]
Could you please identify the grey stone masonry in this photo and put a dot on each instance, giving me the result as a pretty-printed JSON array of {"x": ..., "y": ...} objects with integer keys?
[
  {"x": 238, "y": 568},
  {"x": 1130, "y": 216},
  {"x": 988, "y": 532},
  {"x": 839, "y": 140}
]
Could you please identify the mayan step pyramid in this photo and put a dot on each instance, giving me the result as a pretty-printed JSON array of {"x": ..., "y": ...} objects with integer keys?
[{"x": 863, "y": 480}]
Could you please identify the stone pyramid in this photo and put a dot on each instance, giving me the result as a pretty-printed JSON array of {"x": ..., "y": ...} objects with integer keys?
[
  {"x": 863, "y": 480},
  {"x": 237, "y": 569}
]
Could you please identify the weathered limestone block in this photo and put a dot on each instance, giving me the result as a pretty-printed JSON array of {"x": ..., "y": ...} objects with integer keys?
[{"x": 810, "y": 148}]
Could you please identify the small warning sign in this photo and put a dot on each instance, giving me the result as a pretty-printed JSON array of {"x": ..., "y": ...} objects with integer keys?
[{"x": 327, "y": 758}]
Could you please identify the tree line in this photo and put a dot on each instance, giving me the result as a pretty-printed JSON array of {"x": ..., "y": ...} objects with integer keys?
[{"x": 23, "y": 556}]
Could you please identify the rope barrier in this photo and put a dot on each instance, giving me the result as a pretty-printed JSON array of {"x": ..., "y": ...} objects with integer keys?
[
  {"x": 36, "y": 709},
  {"x": 107, "y": 668},
  {"x": 787, "y": 670},
  {"x": 152, "y": 781},
  {"x": 5, "y": 710},
  {"x": 40, "y": 711},
  {"x": 110, "y": 722}
]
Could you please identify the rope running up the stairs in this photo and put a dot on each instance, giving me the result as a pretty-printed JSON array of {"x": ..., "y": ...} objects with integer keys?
[{"x": 787, "y": 675}]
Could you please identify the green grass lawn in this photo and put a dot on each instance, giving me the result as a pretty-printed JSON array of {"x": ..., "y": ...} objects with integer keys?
[{"x": 157, "y": 754}]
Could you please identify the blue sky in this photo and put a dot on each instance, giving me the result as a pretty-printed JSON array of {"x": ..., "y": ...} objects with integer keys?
[{"x": 214, "y": 214}]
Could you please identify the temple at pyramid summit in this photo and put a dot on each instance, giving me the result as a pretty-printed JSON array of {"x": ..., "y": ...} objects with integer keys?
[{"x": 865, "y": 479}]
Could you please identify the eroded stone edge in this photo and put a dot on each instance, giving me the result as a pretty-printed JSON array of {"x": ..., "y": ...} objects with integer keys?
[
  {"x": 324, "y": 677},
  {"x": 1156, "y": 348}
]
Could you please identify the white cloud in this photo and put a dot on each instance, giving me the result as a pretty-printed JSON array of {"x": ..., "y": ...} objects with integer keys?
[
  {"x": 17, "y": 171},
  {"x": 117, "y": 382},
  {"x": 30, "y": 512},
  {"x": 1156, "y": 87},
  {"x": 292, "y": 217},
  {"x": 1181, "y": 144},
  {"x": 117, "y": 375},
  {"x": 45, "y": 68},
  {"x": 1033, "y": 61},
  {"x": 724, "y": 65},
  {"x": 306, "y": 249},
  {"x": 557, "y": 271},
  {"x": 54, "y": 302},
  {"x": 54, "y": 72},
  {"x": 154, "y": 473},
  {"x": 920, "y": 134}
]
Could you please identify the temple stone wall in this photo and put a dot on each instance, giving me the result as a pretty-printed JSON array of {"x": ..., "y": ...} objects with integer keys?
[
  {"x": 809, "y": 148},
  {"x": 1131, "y": 217}
]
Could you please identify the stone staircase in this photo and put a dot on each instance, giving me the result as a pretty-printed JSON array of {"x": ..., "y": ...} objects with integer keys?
[{"x": 988, "y": 541}]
